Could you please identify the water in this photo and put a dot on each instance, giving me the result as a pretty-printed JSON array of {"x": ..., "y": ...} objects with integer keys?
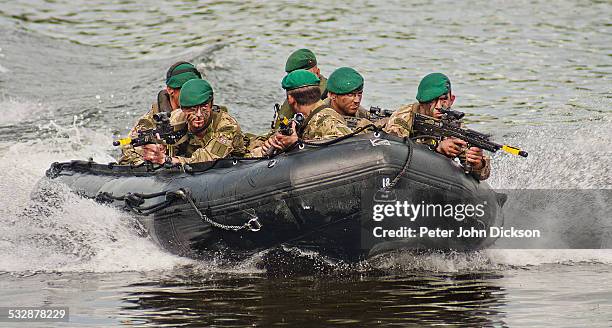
[{"x": 73, "y": 75}]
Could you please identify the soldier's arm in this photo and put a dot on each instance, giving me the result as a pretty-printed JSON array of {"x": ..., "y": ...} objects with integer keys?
[
  {"x": 400, "y": 122},
  {"x": 130, "y": 155},
  {"x": 325, "y": 126},
  {"x": 485, "y": 171}
]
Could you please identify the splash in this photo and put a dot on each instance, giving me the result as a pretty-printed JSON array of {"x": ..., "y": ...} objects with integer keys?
[
  {"x": 435, "y": 261},
  {"x": 2, "y": 68},
  {"x": 564, "y": 156},
  {"x": 58, "y": 231},
  {"x": 531, "y": 257}
]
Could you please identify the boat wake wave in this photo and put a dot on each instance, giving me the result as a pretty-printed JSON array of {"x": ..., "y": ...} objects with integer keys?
[{"x": 58, "y": 231}]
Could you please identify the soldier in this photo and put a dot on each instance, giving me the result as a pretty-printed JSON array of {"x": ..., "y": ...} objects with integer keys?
[
  {"x": 300, "y": 59},
  {"x": 320, "y": 121},
  {"x": 434, "y": 93},
  {"x": 345, "y": 91},
  {"x": 167, "y": 101},
  {"x": 211, "y": 133}
]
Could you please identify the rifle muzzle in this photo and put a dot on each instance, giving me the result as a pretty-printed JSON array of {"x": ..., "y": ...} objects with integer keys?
[
  {"x": 514, "y": 151},
  {"x": 122, "y": 142}
]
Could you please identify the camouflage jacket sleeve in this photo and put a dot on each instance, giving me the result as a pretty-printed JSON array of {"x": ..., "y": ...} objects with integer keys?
[
  {"x": 485, "y": 171},
  {"x": 400, "y": 122},
  {"x": 131, "y": 155},
  {"x": 482, "y": 173},
  {"x": 223, "y": 139},
  {"x": 326, "y": 124},
  {"x": 255, "y": 143}
]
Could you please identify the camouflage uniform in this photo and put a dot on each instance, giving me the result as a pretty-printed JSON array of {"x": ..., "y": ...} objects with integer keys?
[
  {"x": 285, "y": 110},
  {"x": 324, "y": 123},
  {"x": 131, "y": 155},
  {"x": 361, "y": 118},
  {"x": 400, "y": 124},
  {"x": 222, "y": 138}
]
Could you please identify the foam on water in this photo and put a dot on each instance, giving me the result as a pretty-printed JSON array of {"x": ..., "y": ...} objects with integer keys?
[
  {"x": 564, "y": 156},
  {"x": 61, "y": 231},
  {"x": 14, "y": 111}
]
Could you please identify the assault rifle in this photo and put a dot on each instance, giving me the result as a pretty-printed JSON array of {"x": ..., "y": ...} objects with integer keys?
[
  {"x": 277, "y": 109},
  {"x": 285, "y": 124},
  {"x": 378, "y": 113},
  {"x": 453, "y": 115},
  {"x": 425, "y": 126},
  {"x": 286, "y": 129},
  {"x": 162, "y": 133}
]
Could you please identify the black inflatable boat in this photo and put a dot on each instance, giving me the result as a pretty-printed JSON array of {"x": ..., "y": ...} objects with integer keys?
[{"x": 320, "y": 197}]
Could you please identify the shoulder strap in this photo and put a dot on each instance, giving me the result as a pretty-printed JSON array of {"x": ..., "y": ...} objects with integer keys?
[
  {"x": 216, "y": 117},
  {"x": 313, "y": 113}
]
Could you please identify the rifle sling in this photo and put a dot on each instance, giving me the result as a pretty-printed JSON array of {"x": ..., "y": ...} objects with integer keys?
[{"x": 307, "y": 120}]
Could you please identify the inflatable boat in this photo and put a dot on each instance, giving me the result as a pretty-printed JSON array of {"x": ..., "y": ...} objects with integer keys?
[{"x": 318, "y": 196}]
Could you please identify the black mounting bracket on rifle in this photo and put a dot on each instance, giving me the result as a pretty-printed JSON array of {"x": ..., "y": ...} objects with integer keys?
[{"x": 162, "y": 133}]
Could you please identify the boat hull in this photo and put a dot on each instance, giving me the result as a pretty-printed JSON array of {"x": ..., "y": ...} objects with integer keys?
[{"x": 319, "y": 198}]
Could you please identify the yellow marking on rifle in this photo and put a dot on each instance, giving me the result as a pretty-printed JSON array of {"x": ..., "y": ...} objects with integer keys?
[
  {"x": 124, "y": 141},
  {"x": 511, "y": 150}
]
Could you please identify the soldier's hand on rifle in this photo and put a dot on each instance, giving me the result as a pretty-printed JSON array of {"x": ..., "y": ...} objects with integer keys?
[
  {"x": 155, "y": 153},
  {"x": 281, "y": 141},
  {"x": 474, "y": 156},
  {"x": 451, "y": 147},
  {"x": 270, "y": 144},
  {"x": 287, "y": 140}
]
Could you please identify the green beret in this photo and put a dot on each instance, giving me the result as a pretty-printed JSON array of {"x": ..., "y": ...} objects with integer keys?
[
  {"x": 300, "y": 59},
  {"x": 180, "y": 73},
  {"x": 344, "y": 80},
  {"x": 299, "y": 78},
  {"x": 433, "y": 86},
  {"x": 195, "y": 92}
]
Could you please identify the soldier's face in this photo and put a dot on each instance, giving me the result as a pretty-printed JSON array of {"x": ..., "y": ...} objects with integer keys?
[
  {"x": 444, "y": 101},
  {"x": 348, "y": 103},
  {"x": 198, "y": 117}
]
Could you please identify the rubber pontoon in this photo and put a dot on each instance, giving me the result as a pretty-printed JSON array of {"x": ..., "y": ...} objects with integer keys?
[{"x": 318, "y": 197}]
